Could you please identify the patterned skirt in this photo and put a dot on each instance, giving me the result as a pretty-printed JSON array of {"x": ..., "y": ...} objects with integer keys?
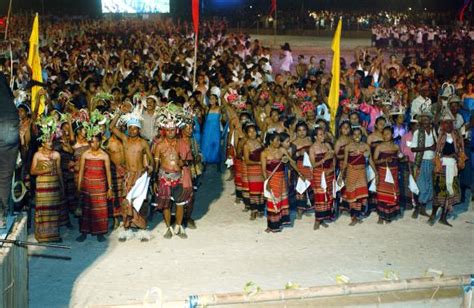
[
  {"x": 323, "y": 198},
  {"x": 388, "y": 206},
  {"x": 245, "y": 186},
  {"x": 442, "y": 197},
  {"x": 48, "y": 203},
  {"x": 118, "y": 189},
  {"x": 356, "y": 191},
  {"x": 278, "y": 209},
  {"x": 238, "y": 178},
  {"x": 255, "y": 177},
  {"x": 132, "y": 218},
  {"x": 94, "y": 189},
  {"x": 304, "y": 200}
]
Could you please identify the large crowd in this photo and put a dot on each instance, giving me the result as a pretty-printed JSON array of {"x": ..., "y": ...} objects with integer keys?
[{"x": 125, "y": 132}]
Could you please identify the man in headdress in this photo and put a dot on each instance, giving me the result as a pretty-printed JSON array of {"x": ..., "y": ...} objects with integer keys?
[
  {"x": 423, "y": 145},
  {"x": 168, "y": 185},
  {"x": 135, "y": 148},
  {"x": 450, "y": 158}
]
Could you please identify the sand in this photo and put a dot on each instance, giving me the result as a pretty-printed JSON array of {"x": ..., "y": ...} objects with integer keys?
[{"x": 228, "y": 250}]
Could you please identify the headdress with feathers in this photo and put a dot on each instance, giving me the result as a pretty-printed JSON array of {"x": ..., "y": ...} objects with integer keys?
[
  {"x": 169, "y": 117},
  {"x": 47, "y": 126}
]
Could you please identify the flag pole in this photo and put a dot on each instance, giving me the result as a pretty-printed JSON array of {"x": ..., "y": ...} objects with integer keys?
[
  {"x": 195, "y": 58},
  {"x": 275, "y": 24},
  {"x": 8, "y": 19}
]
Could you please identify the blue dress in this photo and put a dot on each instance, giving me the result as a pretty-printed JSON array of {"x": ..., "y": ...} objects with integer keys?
[{"x": 211, "y": 139}]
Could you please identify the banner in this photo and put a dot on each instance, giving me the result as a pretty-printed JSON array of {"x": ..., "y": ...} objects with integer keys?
[
  {"x": 34, "y": 63},
  {"x": 195, "y": 7},
  {"x": 333, "y": 100}
]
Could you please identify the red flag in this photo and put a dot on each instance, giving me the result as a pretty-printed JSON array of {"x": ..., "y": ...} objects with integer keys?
[
  {"x": 2, "y": 21},
  {"x": 273, "y": 7},
  {"x": 196, "y": 16}
]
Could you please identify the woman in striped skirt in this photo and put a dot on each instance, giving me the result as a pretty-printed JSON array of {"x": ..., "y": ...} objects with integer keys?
[
  {"x": 322, "y": 160},
  {"x": 386, "y": 159},
  {"x": 302, "y": 144},
  {"x": 341, "y": 143},
  {"x": 273, "y": 159},
  {"x": 94, "y": 175},
  {"x": 355, "y": 178},
  {"x": 49, "y": 192},
  {"x": 252, "y": 152}
]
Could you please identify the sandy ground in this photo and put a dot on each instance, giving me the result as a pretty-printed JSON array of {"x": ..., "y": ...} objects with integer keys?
[{"x": 228, "y": 250}]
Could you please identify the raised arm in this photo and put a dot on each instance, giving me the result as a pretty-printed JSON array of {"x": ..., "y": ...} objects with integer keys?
[{"x": 115, "y": 130}]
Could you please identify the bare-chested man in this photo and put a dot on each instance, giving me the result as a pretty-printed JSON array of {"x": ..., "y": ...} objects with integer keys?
[
  {"x": 138, "y": 159},
  {"x": 114, "y": 148},
  {"x": 169, "y": 184},
  {"x": 189, "y": 152}
]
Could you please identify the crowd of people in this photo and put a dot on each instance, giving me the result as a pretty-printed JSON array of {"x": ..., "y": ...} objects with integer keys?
[
  {"x": 420, "y": 36},
  {"x": 125, "y": 131}
]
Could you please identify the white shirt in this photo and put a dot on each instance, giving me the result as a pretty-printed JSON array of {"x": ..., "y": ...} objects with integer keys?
[{"x": 429, "y": 141}]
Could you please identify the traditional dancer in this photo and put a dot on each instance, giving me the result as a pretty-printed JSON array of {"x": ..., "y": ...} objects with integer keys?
[
  {"x": 339, "y": 149},
  {"x": 168, "y": 186},
  {"x": 355, "y": 178},
  {"x": 302, "y": 143},
  {"x": 423, "y": 145},
  {"x": 386, "y": 159},
  {"x": 273, "y": 159},
  {"x": 189, "y": 152},
  {"x": 95, "y": 184},
  {"x": 322, "y": 160},
  {"x": 136, "y": 149},
  {"x": 114, "y": 148},
  {"x": 448, "y": 160},
  {"x": 252, "y": 154},
  {"x": 49, "y": 191}
]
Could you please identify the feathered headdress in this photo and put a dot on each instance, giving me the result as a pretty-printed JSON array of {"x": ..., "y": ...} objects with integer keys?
[
  {"x": 94, "y": 126},
  {"x": 139, "y": 98},
  {"x": 169, "y": 117},
  {"x": 133, "y": 118},
  {"x": 47, "y": 126}
]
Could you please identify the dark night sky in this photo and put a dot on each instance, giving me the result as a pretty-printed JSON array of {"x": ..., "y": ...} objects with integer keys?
[{"x": 181, "y": 7}]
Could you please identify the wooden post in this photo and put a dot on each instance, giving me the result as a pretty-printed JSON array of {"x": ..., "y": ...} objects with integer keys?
[
  {"x": 8, "y": 20},
  {"x": 196, "y": 42},
  {"x": 336, "y": 290},
  {"x": 14, "y": 268},
  {"x": 275, "y": 24}
]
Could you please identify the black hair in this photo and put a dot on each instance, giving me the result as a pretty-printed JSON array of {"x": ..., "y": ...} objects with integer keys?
[
  {"x": 98, "y": 136},
  {"x": 390, "y": 128},
  {"x": 380, "y": 119},
  {"x": 249, "y": 125},
  {"x": 270, "y": 137},
  {"x": 354, "y": 129},
  {"x": 301, "y": 124},
  {"x": 283, "y": 136}
]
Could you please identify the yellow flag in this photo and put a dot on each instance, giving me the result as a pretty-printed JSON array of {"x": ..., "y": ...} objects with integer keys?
[
  {"x": 333, "y": 100},
  {"x": 34, "y": 63}
]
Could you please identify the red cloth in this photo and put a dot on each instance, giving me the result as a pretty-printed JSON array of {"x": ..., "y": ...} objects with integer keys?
[
  {"x": 196, "y": 16},
  {"x": 94, "y": 189},
  {"x": 273, "y": 7}
]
